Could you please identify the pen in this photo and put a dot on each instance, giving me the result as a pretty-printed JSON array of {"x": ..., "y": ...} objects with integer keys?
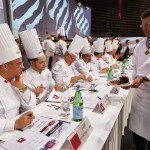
[
  {"x": 93, "y": 90},
  {"x": 64, "y": 121},
  {"x": 98, "y": 97},
  {"x": 49, "y": 124},
  {"x": 32, "y": 116},
  {"x": 54, "y": 128},
  {"x": 55, "y": 106},
  {"x": 88, "y": 107}
]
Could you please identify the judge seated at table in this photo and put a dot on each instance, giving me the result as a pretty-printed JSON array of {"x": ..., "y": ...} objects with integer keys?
[
  {"x": 38, "y": 78},
  {"x": 84, "y": 65},
  {"x": 96, "y": 59},
  {"x": 109, "y": 53},
  {"x": 14, "y": 97},
  {"x": 62, "y": 71}
]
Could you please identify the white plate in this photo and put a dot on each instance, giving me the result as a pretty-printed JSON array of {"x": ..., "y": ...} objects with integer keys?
[{"x": 119, "y": 85}]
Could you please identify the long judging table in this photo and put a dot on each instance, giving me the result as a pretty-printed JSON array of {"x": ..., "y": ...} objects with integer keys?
[{"x": 108, "y": 127}]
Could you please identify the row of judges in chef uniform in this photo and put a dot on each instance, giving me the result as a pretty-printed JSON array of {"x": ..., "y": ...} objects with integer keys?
[
  {"x": 61, "y": 47},
  {"x": 36, "y": 83},
  {"x": 50, "y": 48}
]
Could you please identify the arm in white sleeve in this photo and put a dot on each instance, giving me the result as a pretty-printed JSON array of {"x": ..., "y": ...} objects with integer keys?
[
  {"x": 59, "y": 75},
  {"x": 7, "y": 124},
  {"x": 28, "y": 99},
  {"x": 81, "y": 68}
]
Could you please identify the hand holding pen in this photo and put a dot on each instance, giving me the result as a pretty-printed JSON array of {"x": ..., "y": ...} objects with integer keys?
[{"x": 24, "y": 120}]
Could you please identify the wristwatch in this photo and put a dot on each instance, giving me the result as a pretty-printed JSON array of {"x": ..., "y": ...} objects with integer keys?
[{"x": 22, "y": 90}]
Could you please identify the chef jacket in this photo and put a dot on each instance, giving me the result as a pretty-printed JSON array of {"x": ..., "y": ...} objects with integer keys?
[
  {"x": 33, "y": 79},
  {"x": 11, "y": 100},
  {"x": 62, "y": 72},
  {"x": 140, "y": 109},
  {"x": 61, "y": 47}
]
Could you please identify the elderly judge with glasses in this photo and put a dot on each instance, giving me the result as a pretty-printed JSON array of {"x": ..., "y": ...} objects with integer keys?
[{"x": 14, "y": 95}]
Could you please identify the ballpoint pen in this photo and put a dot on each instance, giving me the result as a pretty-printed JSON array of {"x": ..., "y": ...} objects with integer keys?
[
  {"x": 98, "y": 97},
  {"x": 54, "y": 128}
]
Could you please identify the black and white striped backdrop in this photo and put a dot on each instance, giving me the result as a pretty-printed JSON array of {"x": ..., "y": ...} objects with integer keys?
[{"x": 49, "y": 15}]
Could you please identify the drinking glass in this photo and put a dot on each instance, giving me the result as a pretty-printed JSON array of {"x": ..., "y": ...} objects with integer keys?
[{"x": 65, "y": 104}]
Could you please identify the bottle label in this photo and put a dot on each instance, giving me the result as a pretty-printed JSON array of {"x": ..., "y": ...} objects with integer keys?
[{"x": 77, "y": 112}]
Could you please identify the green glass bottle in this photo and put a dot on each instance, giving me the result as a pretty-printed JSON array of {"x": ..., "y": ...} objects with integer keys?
[
  {"x": 78, "y": 105},
  {"x": 123, "y": 66},
  {"x": 110, "y": 74}
]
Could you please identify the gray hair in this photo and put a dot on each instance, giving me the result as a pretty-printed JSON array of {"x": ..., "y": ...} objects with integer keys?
[{"x": 145, "y": 14}]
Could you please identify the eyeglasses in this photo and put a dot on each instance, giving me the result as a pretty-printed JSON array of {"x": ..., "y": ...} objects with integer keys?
[
  {"x": 144, "y": 25},
  {"x": 17, "y": 64}
]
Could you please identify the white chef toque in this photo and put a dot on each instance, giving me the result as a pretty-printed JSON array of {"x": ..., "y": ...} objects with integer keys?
[
  {"x": 9, "y": 49},
  {"x": 108, "y": 46},
  {"x": 76, "y": 45},
  {"x": 86, "y": 49},
  {"x": 31, "y": 43},
  {"x": 62, "y": 31},
  {"x": 99, "y": 45},
  {"x": 115, "y": 44}
]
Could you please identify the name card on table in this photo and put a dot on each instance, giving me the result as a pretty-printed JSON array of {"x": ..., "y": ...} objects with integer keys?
[
  {"x": 102, "y": 105},
  {"x": 79, "y": 135},
  {"x": 55, "y": 96},
  {"x": 115, "y": 90}
]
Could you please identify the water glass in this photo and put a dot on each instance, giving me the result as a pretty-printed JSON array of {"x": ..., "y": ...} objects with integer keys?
[
  {"x": 65, "y": 103},
  {"x": 66, "y": 108}
]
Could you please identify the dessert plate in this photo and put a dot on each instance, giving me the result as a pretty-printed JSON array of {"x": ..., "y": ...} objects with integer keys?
[{"x": 115, "y": 83}]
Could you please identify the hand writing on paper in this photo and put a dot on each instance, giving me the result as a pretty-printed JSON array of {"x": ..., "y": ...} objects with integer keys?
[
  {"x": 39, "y": 90},
  {"x": 24, "y": 120}
]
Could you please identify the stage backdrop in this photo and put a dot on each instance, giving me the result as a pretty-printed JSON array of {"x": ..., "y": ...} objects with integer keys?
[
  {"x": 2, "y": 19},
  {"x": 49, "y": 15}
]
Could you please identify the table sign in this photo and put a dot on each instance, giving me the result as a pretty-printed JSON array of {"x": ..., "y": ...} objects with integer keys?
[
  {"x": 102, "y": 105},
  {"x": 79, "y": 135},
  {"x": 115, "y": 90}
]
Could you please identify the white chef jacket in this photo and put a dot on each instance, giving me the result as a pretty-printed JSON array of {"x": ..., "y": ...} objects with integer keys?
[
  {"x": 86, "y": 68},
  {"x": 109, "y": 59},
  {"x": 34, "y": 79},
  {"x": 62, "y": 72},
  {"x": 140, "y": 109},
  {"x": 61, "y": 48},
  {"x": 98, "y": 63},
  {"x": 11, "y": 99},
  {"x": 49, "y": 46}
]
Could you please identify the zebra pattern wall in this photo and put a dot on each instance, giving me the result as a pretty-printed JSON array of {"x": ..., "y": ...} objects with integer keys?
[{"x": 49, "y": 15}]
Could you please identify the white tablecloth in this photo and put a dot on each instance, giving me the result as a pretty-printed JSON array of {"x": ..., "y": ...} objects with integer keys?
[{"x": 108, "y": 128}]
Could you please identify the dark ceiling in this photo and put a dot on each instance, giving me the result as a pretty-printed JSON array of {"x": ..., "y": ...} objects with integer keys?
[{"x": 106, "y": 22}]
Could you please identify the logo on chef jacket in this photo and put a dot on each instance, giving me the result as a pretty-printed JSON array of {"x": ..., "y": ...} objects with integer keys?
[
  {"x": 56, "y": 96},
  {"x": 21, "y": 140},
  {"x": 40, "y": 52},
  {"x": 18, "y": 52}
]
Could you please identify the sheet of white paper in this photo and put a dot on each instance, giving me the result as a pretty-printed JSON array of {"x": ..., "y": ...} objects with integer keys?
[
  {"x": 55, "y": 96},
  {"x": 28, "y": 140},
  {"x": 48, "y": 127}
]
